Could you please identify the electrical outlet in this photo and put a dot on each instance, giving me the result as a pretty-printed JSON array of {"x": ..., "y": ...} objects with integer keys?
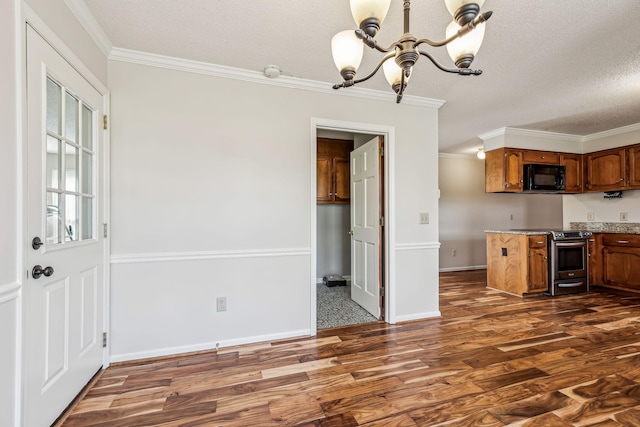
[
  {"x": 221, "y": 304},
  {"x": 591, "y": 216},
  {"x": 424, "y": 218},
  {"x": 624, "y": 216},
  {"x": 453, "y": 252}
]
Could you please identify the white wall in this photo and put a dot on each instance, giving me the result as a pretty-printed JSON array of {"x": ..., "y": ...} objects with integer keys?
[
  {"x": 576, "y": 207},
  {"x": 466, "y": 211},
  {"x": 212, "y": 196}
]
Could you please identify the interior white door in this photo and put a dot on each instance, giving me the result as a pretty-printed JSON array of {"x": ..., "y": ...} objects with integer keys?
[
  {"x": 365, "y": 226},
  {"x": 63, "y": 293}
]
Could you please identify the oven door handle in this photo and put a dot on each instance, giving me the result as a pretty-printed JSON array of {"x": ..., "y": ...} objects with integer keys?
[
  {"x": 570, "y": 285},
  {"x": 581, "y": 243}
]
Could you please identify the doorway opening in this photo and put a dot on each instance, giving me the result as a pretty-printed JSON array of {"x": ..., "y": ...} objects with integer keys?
[{"x": 350, "y": 244}]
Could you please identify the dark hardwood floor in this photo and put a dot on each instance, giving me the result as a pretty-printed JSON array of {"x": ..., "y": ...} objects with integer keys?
[{"x": 492, "y": 359}]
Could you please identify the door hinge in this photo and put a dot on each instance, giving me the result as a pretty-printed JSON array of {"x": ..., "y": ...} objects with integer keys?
[
  {"x": 104, "y": 122},
  {"x": 105, "y": 230},
  {"x": 381, "y": 221},
  {"x": 381, "y": 150},
  {"x": 104, "y": 339},
  {"x": 382, "y": 292}
]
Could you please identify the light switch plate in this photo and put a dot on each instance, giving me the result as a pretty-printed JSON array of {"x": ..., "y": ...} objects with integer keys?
[{"x": 591, "y": 216}]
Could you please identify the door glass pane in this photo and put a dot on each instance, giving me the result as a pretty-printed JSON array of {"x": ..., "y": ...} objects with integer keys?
[
  {"x": 87, "y": 128},
  {"x": 71, "y": 118},
  {"x": 87, "y": 173},
  {"x": 87, "y": 218},
  {"x": 53, "y": 162},
  {"x": 71, "y": 168},
  {"x": 54, "y": 102},
  {"x": 54, "y": 219},
  {"x": 71, "y": 217}
]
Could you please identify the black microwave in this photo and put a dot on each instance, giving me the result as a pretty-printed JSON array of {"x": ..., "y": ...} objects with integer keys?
[{"x": 544, "y": 177}]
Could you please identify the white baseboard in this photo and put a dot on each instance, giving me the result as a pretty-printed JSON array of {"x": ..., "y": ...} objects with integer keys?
[
  {"x": 418, "y": 316},
  {"x": 466, "y": 268},
  {"x": 170, "y": 351}
]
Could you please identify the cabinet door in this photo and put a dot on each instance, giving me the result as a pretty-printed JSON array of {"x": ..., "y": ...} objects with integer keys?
[
  {"x": 573, "y": 176},
  {"x": 621, "y": 267},
  {"x": 541, "y": 157},
  {"x": 538, "y": 270},
  {"x": 342, "y": 189},
  {"x": 323, "y": 180},
  {"x": 633, "y": 154},
  {"x": 594, "y": 259},
  {"x": 606, "y": 170},
  {"x": 513, "y": 170}
]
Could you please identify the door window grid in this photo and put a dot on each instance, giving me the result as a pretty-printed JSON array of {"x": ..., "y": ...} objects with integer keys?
[{"x": 70, "y": 196}]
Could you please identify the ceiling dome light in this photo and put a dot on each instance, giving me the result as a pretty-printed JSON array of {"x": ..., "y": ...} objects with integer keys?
[{"x": 481, "y": 154}]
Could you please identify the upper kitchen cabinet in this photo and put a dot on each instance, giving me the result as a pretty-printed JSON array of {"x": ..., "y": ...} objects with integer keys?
[
  {"x": 503, "y": 170},
  {"x": 332, "y": 171},
  {"x": 606, "y": 170},
  {"x": 541, "y": 157},
  {"x": 573, "y": 172},
  {"x": 633, "y": 175}
]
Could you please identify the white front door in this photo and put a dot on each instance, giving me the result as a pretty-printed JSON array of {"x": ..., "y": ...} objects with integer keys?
[
  {"x": 365, "y": 226},
  {"x": 64, "y": 191}
]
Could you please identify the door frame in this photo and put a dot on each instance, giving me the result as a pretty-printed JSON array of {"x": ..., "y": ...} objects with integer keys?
[
  {"x": 29, "y": 17},
  {"x": 388, "y": 134}
]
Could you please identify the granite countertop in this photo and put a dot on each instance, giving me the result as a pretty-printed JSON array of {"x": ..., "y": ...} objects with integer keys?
[
  {"x": 529, "y": 232},
  {"x": 607, "y": 227}
]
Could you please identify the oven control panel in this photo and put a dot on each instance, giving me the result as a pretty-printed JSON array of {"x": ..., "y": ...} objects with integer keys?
[{"x": 570, "y": 235}]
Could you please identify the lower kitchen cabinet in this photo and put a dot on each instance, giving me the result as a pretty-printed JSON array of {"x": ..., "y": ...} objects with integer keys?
[
  {"x": 517, "y": 263},
  {"x": 620, "y": 261}
]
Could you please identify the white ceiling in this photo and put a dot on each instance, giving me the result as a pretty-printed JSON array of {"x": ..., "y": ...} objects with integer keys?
[{"x": 569, "y": 66}]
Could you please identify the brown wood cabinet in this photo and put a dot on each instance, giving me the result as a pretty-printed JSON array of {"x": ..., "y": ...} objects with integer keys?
[
  {"x": 573, "y": 172},
  {"x": 503, "y": 170},
  {"x": 606, "y": 170},
  {"x": 333, "y": 171},
  {"x": 621, "y": 261},
  {"x": 538, "y": 264},
  {"x": 541, "y": 157},
  {"x": 517, "y": 263},
  {"x": 633, "y": 171}
]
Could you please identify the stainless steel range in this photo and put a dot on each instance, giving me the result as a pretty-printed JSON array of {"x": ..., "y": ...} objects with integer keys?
[{"x": 568, "y": 262}]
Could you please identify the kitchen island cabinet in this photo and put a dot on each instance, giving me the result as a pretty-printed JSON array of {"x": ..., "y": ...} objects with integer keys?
[{"x": 517, "y": 262}]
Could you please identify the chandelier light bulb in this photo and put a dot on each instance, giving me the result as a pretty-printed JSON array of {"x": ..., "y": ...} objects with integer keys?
[
  {"x": 481, "y": 154},
  {"x": 347, "y": 52},
  {"x": 463, "y": 49},
  {"x": 369, "y": 14}
]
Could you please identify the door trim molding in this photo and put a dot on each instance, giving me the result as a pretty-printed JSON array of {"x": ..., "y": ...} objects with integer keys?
[{"x": 388, "y": 133}]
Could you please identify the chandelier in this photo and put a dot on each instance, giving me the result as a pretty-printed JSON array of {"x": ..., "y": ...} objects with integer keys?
[{"x": 463, "y": 39}]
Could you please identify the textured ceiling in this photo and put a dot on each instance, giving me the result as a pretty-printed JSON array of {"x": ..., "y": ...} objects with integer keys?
[{"x": 569, "y": 66}]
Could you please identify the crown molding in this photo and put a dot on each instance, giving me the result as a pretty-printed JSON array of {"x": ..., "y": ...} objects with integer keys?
[
  {"x": 86, "y": 19},
  {"x": 543, "y": 134},
  {"x": 179, "y": 64},
  {"x": 612, "y": 132}
]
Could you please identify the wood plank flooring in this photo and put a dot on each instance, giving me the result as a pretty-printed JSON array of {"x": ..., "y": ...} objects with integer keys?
[{"x": 492, "y": 359}]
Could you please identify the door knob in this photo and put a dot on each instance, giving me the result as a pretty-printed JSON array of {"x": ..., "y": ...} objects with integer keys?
[
  {"x": 350, "y": 232},
  {"x": 38, "y": 271},
  {"x": 36, "y": 243}
]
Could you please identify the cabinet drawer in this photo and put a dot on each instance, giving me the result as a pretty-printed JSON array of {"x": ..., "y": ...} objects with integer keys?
[
  {"x": 544, "y": 157},
  {"x": 625, "y": 240},
  {"x": 538, "y": 241}
]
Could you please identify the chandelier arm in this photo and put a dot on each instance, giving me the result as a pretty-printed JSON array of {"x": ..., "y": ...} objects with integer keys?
[
  {"x": 373, "y": 44},
  {"x": 461, "y": 71},
  {"x": 461, "y": 32},
  {"x": 349, "y": 83}
]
